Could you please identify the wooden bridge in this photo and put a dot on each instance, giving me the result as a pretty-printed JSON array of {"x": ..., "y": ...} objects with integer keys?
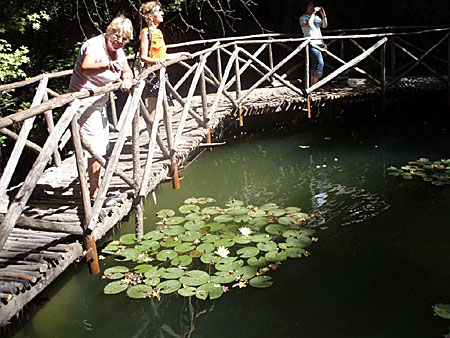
[{"x": 48, "y": 222}]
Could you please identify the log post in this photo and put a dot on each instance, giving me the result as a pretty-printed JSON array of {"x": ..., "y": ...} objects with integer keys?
[
  {"x": 50, "y": 126},
  {"x": 138, "y": 201},
  {"x": 112, "y": 101},
  {"x": 271, "y": 59},
  {"x": 88, "y": 239},
  {"x": 205, "y": 107},
  {"x": 392, "y": 43},
  {"x": 219, "y": 64},
  {"x": 383, "y": 77},
  {"x": 308, "y": 102},
  {"x": 238, "y": 85}
]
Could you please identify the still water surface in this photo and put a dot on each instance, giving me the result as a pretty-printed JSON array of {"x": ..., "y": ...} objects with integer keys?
[{"x": 382, "y": 260}]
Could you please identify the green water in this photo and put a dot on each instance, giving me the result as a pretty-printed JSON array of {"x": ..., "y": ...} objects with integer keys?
[{"x": 381, "y": 262}]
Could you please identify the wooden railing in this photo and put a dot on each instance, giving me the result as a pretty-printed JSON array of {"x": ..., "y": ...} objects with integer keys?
[{"x": 229, "y": 68}]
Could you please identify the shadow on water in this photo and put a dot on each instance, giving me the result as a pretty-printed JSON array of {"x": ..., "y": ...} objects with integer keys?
[{"x": 382, "y": 260}]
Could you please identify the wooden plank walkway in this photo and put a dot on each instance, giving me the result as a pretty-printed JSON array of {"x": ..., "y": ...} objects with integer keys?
[{"x": 46, "y": 239}]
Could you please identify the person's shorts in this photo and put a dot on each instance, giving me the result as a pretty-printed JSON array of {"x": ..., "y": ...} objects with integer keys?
[
  {"x": 94, "y": 127},
  {"x": 152, "y": 86}
]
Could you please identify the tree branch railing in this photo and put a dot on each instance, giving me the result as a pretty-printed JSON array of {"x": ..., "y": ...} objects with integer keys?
[{"x": 203, "y": 88}]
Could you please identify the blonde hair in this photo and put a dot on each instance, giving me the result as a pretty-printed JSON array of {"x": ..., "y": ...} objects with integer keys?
[
  {"x": 121, "y": 25},
  {"x": 147, "y": 7}
]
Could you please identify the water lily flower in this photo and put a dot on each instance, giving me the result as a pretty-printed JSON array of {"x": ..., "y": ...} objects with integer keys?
[
  {"x": 245, "y": 231},
  {"x": 222, "y": 251}
]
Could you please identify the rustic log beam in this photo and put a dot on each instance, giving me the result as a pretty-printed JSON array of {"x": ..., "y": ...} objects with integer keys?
[
  {"x": 359, "y": 70},
  {"x": 19, "y": 145},
  {"x": 50, "y": 126},
  {"x": 149, "y": 124},
  {"x": 211, "y": 79},
  {"x": 112, "y": 101},
  {"x": 276, "y": 76},
  {"x": 186, "y": 75},
  {"x": 419, "y": 61},
  {"x": 73, "y": 228},
  {"x": 361, "y": 48},
  {"x": 20, "y": 200},
  {"x": 181, "y": 101},
  {"x": 415, "y": 58},
  {"x": 151, "y": 148},
  {"x": 270, "y": 73},
  {"x": 11, "y": 86},
  {"x": 348, "y": 65},
  {"x": 30, "y": 145}
]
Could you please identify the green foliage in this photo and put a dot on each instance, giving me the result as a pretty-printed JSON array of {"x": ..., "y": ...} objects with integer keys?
[
  {"x": 193, "y": 256},
  {"x": 435, "y": 172},
  {"x": 11, "y": 60}
]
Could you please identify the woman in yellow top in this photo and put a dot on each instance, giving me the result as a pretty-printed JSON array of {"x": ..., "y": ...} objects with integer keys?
[{"x": 153, "y": 49}]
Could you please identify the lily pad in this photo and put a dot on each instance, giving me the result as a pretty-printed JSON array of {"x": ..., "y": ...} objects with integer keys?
[
  {"x": 213, "y": 210},
  {"x": 212, "y": 290},
  {"x": 292, "y": 210},
  {"x": 261, "y": 282},
  {"x": 259, "y": 221},
  {"x": 223, "y": 218},
  {"x": 295, "y": 252},
  {"x": 191, "y": 200},
  {"x": 206, "y": 247},
  {"x": 154, "y": 235},
  {"x": 171, "y": 242},
  {"x": 300, "y": 242},
  {"x": 187, "y": 291},
  {"x": 229, "y": 267},
  {"x": 225, "y": 242},
  {"x": 247, "y": 272},
  {"x": 275, "y": 229},
  {"x": 153, "y": 281},
  {"x": 184, "y": 247},
  {"x": 261, "y": 238},
  {"x": 174, "y": 230},
  {"x": 249, "y": 251},
  {"x": 215, "y": 226},
  {"x": 223, "y": 277},
  {"x": 237, "y": 211},
  {"x": 286, "y": 220},
  {"x": 182, "y": 260},
  {"x": 442, "y": 310},
  {"x": 143, "y": 268},
  {"x": 115, "y": 288},
  {"x": 155, "y": 273},
  {"x": 110, "y": 249},
  {"x": 115, "y": 272},
  {"x": 268, "y": 206},
  {"x": 128, "y": 239},
  {"x": 209, "y": 258},
  {"x": 195, "y": 278},
  {"x": 151, "y": 244},
  {"x": 129, "y": 254},
  {"x": 173, "y": 273},
  {"x": 194, "y": 217},
  {"x": 210, "y": 238},
  {"x": 257, "y": 262},
  {"x": 234, "y": 203},
  {"x": 169, "y": 286},
  {"x": 164, "y": 213},
  {"x": 194, "y": 225},
  {"x": 174, "y": 220},
  {"x": 140, "y": 291},
  {"x": 189, "y": 208},
  {"x": 275, "y": 256},
  {"x": 241, "y": 239},
  {"x": 242, "y": 218},
  {"x": 267, "y": 246},
  {"x": 165, "y": 255},
  {"x": 190, "y": 236},
  {"x": 256, "y": 213}
]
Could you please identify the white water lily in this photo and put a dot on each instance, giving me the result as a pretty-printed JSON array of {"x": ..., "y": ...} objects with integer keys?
[
  {"x": 245, "y": 231},
  {"x": 222, "y": 251}
]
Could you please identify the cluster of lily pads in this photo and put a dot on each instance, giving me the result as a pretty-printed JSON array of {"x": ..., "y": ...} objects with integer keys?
[
  {"x": 436, "y": 172},
  {"x": 207, "y": 249}
]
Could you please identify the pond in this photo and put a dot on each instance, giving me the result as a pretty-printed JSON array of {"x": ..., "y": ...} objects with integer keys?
[{"x": 381, "y": 262}]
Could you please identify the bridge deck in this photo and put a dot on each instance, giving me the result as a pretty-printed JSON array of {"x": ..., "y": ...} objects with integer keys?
[{"x": 46, "y": 239}]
